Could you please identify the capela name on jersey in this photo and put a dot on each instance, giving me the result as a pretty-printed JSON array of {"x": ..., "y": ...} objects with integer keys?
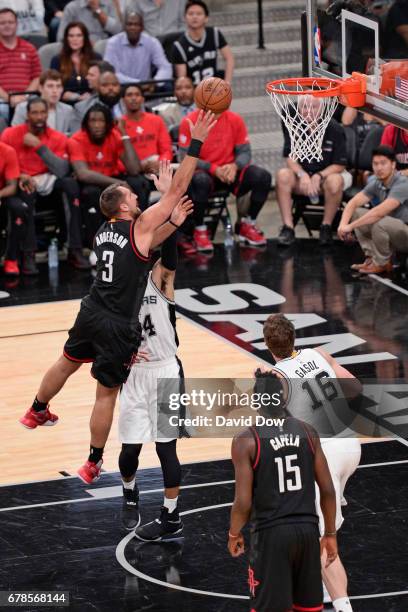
[
  {"x": 284, "y": 440},
  {"x": 113, "y": 237}
]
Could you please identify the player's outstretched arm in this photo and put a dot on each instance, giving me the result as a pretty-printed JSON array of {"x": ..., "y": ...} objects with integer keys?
[
  {"x": 183, "y": 209},
  {"x": 164, "y": 270},
  {"x": 242, "y": 451},
  {"x": 327, "y": 502},
  {"x": 157, "y": 214}
]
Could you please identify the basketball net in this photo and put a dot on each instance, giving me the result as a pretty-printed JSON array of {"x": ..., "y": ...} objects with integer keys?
[{"x": 305, "y": 116}]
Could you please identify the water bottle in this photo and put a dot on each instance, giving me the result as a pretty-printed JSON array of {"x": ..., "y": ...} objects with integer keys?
[
  {"x": 53, "y": 254},
  {"x": 314, "y": 199},
  {"x": 229, "y": 237}
]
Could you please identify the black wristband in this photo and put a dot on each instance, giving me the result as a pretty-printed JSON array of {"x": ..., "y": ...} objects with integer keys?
[
  {"x": 171, "y": 222},
  {"x": 194, "y": 148}
]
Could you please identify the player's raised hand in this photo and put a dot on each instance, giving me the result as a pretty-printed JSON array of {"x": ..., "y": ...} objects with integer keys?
[
  {"x": 236, "y": 545},
  {"x": 328, "y": 546},
  {"x": 183, "y": 208},
  {"x": 202, "y": 127},
  {"x": 162, "y": 182}
]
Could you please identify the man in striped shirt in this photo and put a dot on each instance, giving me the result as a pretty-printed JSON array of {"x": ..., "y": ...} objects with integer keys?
[{"x": 20, "y": 66}]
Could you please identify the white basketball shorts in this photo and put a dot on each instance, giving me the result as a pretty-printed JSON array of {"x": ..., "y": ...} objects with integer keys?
[
  {"x": 343, "y": 456},
  {"x": 138, "y": 411}
]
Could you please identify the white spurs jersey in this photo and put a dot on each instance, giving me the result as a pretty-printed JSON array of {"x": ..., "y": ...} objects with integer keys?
[
  {"x": 314, "y": 396},
  {"x": 158, "y": 320}
]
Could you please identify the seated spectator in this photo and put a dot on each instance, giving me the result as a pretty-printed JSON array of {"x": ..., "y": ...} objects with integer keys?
[
  {"x": 195, "y": 52},
  {"x": 9, "y": 172},
  {"x": 327, "y": 177},
  {"x": 30, "y": 15},
  {"x": 383, "y": 228},
  {"x": 397, "y": 139},
  {"x": 173, "y": 112},
  {"x": 161, "y": 17},
  {"x": 226, "y": 167},
  {"x": 19, "y": 63},
  {"x": 98, "y": 16},
  {"x": 73, "y": 62},
  {"x": 107, "y": 92},
  {"x": 135, "y": 55},
  {"x": 148, "y": 132},
  {"x": 44, "y": 168},
  {"x": 95, "y": 152},
  {"x": 96, "y": 68},
  {"x": 395, "y": 39},
  {"x": 60, "y": 116},
  {"x": 54, "y": 10}
]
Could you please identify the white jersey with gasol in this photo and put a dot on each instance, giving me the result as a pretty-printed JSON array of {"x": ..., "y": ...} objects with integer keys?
[
  {"x": 158, "y": 320},
  {"x": 314, "y": 396}
]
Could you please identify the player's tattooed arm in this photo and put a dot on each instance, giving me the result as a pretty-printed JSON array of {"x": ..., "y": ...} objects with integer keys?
[{"x": 242, "y": 453}]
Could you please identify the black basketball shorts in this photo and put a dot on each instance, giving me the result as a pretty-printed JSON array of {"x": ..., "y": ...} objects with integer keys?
[
  {"x": 110, "y": 343},
  {"x": 285, "y": 572}
]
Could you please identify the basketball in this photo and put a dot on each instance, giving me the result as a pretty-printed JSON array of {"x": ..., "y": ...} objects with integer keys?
[{"x": 213, "y": 94}]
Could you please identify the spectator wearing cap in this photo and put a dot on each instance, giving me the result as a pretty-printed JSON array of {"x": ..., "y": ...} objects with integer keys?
[
  {"x": 327, "y": 177},
  {"x": 108, "y": 93},
  {"x": 147, "y": 131},
  {"x": 44, "y": 167},
  {"x": 383, "y": 228},
  {"x": 30, "y": 15},
  {"x": 60, "y": 116},
  {"x": 136, "y": 55},
  {"x": 160, "y": 17},
  {"x": 20, "y": 65},
  {"x": 98, "y": 16}
]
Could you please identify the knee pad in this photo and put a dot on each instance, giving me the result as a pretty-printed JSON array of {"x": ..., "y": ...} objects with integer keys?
[
  {"x": 129, "y": 459},
  {"x": 167, "y": 453}
]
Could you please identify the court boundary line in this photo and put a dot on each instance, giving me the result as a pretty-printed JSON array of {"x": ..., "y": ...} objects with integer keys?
[
  {"x": 388, "y": 283},
  {"x": 60, "y": 502},
  {"x": 123, "y": 562},
  {"x": 39, "y": 333}
]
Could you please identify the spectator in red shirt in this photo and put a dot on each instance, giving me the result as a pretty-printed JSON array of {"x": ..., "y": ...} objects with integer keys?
[
  {"x": 225, "y": 163},
  {"x": 20, "y": 66},
  {"x": 148, "y": 132},
  {"x": 397, "y": 139},
  {"x": 9, "y": 173},
  {"x": 44, "y": 168},
  {"x": 95, "y": 153}
]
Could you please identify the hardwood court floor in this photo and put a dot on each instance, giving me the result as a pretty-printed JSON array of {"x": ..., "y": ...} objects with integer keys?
[{"x": 31, "y": 338}]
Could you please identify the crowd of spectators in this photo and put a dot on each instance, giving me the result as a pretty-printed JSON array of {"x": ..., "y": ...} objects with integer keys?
[{"x": 99, "y": 113}]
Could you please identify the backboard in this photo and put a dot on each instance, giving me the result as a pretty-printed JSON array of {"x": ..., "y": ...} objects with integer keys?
[{"x": 338, "y": 42}]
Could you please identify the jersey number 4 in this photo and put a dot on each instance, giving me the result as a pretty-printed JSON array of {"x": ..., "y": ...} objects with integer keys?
[
  {"x": 288, "y": 474},
  {"x": 148, "y": 326},
  {"x": 107, "y": 274}
]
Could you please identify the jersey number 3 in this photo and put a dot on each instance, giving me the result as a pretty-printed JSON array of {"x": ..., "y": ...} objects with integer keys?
[
  {"x": 289, "y": 475},
  {"x": 107, "y": 274}
]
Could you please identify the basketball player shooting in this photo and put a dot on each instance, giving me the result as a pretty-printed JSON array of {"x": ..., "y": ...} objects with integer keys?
[
  {"x": 107, "y": 331},
  {"x": 275, "y": 472},
  {"x": 318, "y": 371}
]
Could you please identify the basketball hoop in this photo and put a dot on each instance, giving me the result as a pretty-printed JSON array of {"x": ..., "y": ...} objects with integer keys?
[{"x": 306, "y": 106}]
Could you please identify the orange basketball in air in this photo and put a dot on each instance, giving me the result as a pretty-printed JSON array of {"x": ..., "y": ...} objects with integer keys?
[{"x": 213, "y": 94}]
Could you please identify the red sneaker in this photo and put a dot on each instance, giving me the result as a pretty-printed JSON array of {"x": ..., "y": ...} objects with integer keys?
[
  {"x": 187, "y": 247},
  {"x": 90, "y": 472},
  {"x": 202, "y": 240},
  {"x": 10, "y": 267},
  {"x": 250, "y": 234},
  {"x": 33, "y": 419}
]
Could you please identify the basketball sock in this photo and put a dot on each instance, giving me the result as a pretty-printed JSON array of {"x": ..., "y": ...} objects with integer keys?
[
  {"x": 96, "y": 454},
  {"x": 39, "y": 406},
  {"x": 130, "y": 484},
  {"x": 342, "y": 605},
  {"x": 170, "y": 504}
]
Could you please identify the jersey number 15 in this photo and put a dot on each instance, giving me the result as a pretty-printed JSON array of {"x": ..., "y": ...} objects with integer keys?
[{"x": 288, "y": 474}]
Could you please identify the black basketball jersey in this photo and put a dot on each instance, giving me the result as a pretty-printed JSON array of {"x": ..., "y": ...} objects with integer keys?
[
  {"x": 284, "y": 481},
  {"x": 199, "y": 56},
  {"x": 121, "y": 270}
]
